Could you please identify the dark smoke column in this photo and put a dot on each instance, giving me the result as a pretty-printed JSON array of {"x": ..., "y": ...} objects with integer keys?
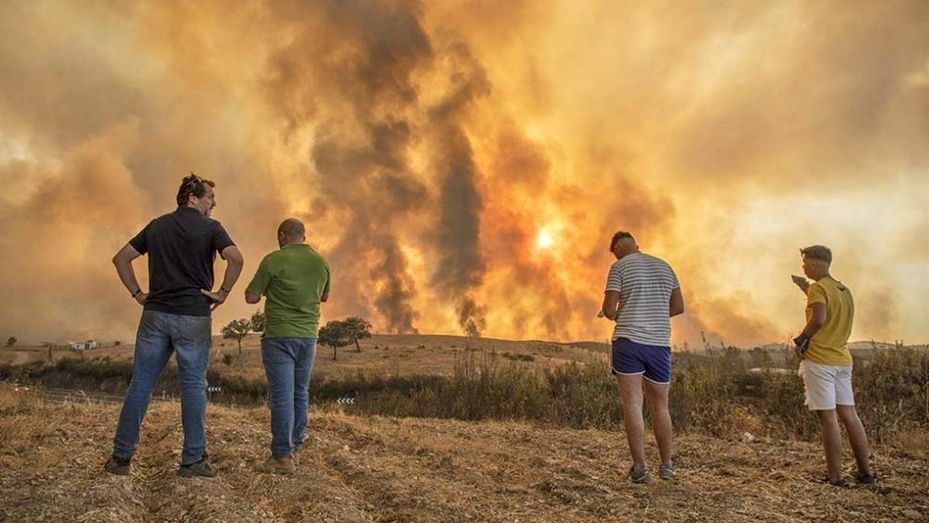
[
  {"x": 461, "y": 268},
  {"x": 346, "y": 77}
]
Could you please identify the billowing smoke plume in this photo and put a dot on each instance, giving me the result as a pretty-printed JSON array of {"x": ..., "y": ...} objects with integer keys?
[
  {"x": 460, "y": 268},
  {"x": 358, "y": 59},
  {"x": 463, "y": 165},
  {"x": 361, "y": 153}
]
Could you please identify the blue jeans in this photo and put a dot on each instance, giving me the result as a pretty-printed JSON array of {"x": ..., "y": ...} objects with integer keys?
[
  {"x": 288, "y": 363},
  {"x": 159, "y": 335}
]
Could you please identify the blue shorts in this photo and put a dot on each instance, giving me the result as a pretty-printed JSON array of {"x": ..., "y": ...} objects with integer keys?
[{"x": 652, "y": 361}]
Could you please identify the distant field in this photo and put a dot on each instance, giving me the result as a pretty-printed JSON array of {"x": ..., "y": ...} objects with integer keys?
[
  {"x": 401, "y": 354},
  {"x": 382, "y": 353},
  {"x": 718, "y": 391}
]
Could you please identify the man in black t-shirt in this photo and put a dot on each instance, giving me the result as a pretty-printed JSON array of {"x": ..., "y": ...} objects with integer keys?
[{"x": 181, "y": 248}]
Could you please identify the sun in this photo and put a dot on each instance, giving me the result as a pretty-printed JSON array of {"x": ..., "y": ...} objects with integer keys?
[{"x": 544, "y": 239}]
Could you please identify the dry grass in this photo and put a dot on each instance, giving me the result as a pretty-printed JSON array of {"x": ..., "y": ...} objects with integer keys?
[
  {"x": 382, "y": 354},
  {"x": 713, "y": 392},
  {"x": 393, "y": 469}
]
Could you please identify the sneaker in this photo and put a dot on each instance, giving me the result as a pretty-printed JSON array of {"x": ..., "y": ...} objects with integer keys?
[
  {"x": 667, "y": 472},
  {"x": 841, "y": 483},
  {"x": 639, "y": 476},
  {"x": 201, "y": 468},
  {"x": 284, "y": 465},
  {"x": 866, "y": 479},
  {"x": 118, "y": 466}
]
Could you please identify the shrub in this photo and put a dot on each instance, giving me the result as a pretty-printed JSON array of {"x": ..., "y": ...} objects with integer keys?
[{"x": 711, "y": 393}]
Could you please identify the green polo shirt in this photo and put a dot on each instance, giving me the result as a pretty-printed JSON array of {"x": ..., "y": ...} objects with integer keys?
[{"x": 292, "y": 280}]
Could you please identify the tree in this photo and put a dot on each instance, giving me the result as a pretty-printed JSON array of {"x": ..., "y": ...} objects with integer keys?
[
  {"x": 335, "y": 335},
  {"x": 258, "y": 321},
  {"x": 11, "y": 341},
  {"x": 237, "y": 330},
  {"x": 357, "y": 329}
]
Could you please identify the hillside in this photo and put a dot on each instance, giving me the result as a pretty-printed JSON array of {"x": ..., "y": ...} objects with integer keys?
[
  {"x": 380, "y": 354},
  {"x": 396, "y": 354},
  {"x": 390, "y": 469}
]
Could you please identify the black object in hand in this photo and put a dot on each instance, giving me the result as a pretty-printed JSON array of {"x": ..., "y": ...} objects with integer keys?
[{"x": 802, "y": 342}]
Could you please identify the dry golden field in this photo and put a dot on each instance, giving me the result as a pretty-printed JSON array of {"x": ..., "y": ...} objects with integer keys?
[
  {"x": 448, "y": 428},
  {"x": 380, "y": 354},
  {"x": 404, "y": 469}
]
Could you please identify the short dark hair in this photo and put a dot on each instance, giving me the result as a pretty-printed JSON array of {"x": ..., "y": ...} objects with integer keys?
[
  {"x": 619, "y": 236},
  {"x": 292, "y": 228},
  {"x": 192, "y": 184},
  {"x": 817, "y": 252}
]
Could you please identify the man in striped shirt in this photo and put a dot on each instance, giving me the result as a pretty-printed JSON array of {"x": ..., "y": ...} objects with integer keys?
[{"x": 642, "y": 294}]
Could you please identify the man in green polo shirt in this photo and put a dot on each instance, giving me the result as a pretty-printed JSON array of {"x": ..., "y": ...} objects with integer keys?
[{"x": 294, "y": 281}]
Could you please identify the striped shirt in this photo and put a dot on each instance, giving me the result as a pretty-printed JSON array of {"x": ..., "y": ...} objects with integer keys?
[{"x": 644, "y": 284}]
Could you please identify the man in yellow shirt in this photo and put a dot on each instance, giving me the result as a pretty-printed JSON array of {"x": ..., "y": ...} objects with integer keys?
[{"x": 826, "y": 364}]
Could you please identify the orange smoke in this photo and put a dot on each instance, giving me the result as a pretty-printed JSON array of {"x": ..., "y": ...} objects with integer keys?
[{"x": 463, "y": 166}]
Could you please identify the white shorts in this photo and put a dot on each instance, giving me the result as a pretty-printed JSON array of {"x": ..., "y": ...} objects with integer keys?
[{"x": 826, "y": 385}]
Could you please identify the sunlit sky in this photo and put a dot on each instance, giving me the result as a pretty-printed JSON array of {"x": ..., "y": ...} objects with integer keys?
[{"x": 463, "y": 164}]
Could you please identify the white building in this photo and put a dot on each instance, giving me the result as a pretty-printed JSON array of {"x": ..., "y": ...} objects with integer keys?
[{"x": 83, "y": 345}]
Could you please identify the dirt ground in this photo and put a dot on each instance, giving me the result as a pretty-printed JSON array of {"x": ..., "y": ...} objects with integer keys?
[{"x": 386, "y": 469}]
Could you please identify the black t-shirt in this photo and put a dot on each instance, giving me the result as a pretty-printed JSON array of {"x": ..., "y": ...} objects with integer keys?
[{"x": 181, "y": 248}]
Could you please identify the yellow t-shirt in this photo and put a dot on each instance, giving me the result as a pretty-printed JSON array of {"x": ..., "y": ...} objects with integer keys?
[{"x": 828, "y": 346}]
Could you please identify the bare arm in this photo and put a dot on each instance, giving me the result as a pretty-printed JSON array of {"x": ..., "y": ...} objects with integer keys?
[
  {"x": 324, "y": 297},
  {"x": 123, "y": 262},
  {"x": 610, "y": 307},
  {"x": 234, "y": 263},
  {"x": 817, "y": 319},
  {"x": 676, "y": 304}
]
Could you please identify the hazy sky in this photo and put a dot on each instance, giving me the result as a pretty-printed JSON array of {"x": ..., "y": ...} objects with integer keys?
[{"x": 463, "y": 165}]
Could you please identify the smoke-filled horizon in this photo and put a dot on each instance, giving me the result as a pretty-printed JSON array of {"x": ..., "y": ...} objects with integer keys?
[{"x": 463, "y": 165}]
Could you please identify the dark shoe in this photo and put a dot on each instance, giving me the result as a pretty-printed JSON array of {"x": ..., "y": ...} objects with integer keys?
[
  {"x": 841, "y": 483},
  {"x": 866, "y": 479},
  {"x": 284, "y": 465},
  {"x": 639, "y": 476},
  {"x": 667, "y": 472},
  {"x": 200, "y": 468},
  {"x": 118, "y": 466}
]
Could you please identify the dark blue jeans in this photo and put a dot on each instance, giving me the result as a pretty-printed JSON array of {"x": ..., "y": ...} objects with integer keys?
[
  {"x": 159, "y": 335},
  {"x": 288, "y": 363}
]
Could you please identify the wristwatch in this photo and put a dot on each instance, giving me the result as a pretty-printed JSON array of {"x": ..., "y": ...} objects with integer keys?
[
  {"x": 223, "y": 289},
  {"x": 136, "y": 293}
]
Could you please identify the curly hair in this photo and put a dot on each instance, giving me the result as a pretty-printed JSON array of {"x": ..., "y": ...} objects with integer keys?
[{"x": 192, "y": 184}]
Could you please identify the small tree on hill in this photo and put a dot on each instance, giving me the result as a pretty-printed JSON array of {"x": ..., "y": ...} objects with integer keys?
[
  {"x": 357, "y": 329},
  {"x": 335, "y": 335},
  {"x": 258, "y": 321},
  {"x": 11, "y": 341},
  {"x": 237, "y": 330}
]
